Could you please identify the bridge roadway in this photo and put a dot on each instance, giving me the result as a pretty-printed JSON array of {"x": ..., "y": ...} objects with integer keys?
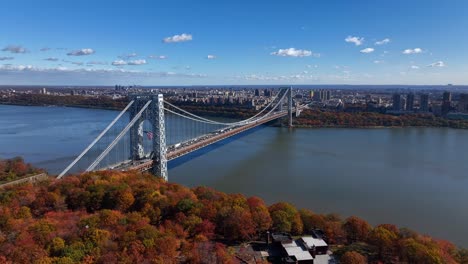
[{"x": 198, "y": 143}]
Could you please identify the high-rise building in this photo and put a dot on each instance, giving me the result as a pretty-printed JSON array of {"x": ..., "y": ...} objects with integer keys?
[
  {"x": 463, "y": 103},
  {"x": 424, "y": 103},
  {"x": 397, "y": 102},
  {"x": 328, "y": 95},
  {"x": 447, "y": 97},
  {"x": 446, "y": 102},
  {"x": 311, "y": 94},
  {"x": 410, "y": 102},
  {"x": 317, "y": 96},
  {"x": 257, "y": 92}
]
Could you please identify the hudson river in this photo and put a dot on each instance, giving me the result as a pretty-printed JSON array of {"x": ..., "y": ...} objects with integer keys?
[{"x": 411, "y": 177}]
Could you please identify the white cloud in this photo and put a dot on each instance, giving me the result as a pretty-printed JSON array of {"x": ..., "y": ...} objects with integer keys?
[
  {"x": 437, "y": 64},
  {"x": 367, "y": 50},
  {"x": 6, "y": 58},
  {"x": 119, "y": 63},
  {"x": 412, "y": 51},
  {"x": 127, "y": 56},
  {"x": 378, "y": 61},
  {"x": 51, "y": 59},
  {"x": 132, "y": 62},
  {"x": 414, "y": 67},
  {"x": 160, "y": 57},
  {"x": 81, "y": 52},
  {"x": 15, "y": 49},
  {"x": 79, "y": 63},
  {"x": 137, "y": 62},
  {"x": 356, "y": 40},
  {"x": 96, "y": 63},
  {"x": 383, "y": 41},
  {"x": 292, "y": 52},
  {"x": 312, "y": 66},
  {"x": 178, "y": 38},
  {"x": 45, "y": 49},
  {"x": 211, "y": 57}
]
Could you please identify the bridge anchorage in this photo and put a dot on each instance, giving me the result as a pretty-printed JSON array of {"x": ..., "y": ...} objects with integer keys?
[{"x": 171, "y": 132}]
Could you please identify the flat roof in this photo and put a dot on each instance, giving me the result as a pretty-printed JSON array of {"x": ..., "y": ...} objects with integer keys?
[
  {"x": 324, "y": 259},
  {"x": 294, "y": 249},
  {"x": 311, "y": 241},
  {"x": 281, "y": 237}
]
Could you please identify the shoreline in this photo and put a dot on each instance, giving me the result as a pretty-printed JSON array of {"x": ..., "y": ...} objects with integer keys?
[{"x": 295, "y": 126}]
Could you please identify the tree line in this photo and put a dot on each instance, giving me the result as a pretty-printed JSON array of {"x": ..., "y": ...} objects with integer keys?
[
  {"x": 15, "y": 168},
  {"x": 319, "y": 118}
]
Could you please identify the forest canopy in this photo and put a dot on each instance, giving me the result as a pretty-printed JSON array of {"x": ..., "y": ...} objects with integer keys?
[{"x": 129, "y": 217}]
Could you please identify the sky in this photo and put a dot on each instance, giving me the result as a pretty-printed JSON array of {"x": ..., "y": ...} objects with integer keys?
[{"x": 56, "y": 42}]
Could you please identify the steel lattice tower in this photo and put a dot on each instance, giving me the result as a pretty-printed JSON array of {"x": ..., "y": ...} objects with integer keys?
[{"x": 155, "y": 115}]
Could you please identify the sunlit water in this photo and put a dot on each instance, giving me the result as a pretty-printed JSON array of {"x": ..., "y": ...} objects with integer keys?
[{"x": 412, "y": 177}]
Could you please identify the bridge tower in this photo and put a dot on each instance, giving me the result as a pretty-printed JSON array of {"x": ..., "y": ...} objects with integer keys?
[
  {"x": 290, "y": 106},
  {"x": 155, "y": 115}
]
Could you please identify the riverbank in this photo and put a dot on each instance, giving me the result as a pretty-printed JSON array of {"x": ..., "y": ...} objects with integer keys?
[{"x": 313, "y": 118}]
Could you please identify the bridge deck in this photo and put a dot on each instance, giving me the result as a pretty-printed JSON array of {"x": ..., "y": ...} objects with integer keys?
[{"x": 201, "y": 143}]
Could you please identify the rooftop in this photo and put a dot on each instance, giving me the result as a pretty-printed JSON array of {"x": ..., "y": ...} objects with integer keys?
[
  {"x": 311, "y": 241},
  {"x": 295, "y": 249}
]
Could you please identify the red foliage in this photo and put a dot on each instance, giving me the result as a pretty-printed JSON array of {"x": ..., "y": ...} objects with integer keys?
[{"x": 108, "y": 217}]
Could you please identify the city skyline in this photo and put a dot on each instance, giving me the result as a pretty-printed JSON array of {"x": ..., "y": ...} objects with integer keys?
[{"x": 184, "y": 43}]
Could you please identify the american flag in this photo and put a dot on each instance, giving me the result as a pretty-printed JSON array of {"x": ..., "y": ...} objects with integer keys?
[{"x": 149, "y": 134}]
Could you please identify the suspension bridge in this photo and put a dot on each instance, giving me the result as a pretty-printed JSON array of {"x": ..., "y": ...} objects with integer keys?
[{"x": 151, "y": 131}]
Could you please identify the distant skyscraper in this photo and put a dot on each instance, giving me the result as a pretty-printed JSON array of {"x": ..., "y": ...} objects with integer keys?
[
  {"x": 446, "y": 102},
  {"x": 328, "y": 95},
  {"x": 410, "y": 102},
  {"x": 318, "y": 95},
  {"x": 257, "y": 92},
  {"x": 397, "y": 102},
  {"x": 424, "y": 103},
  {"x": 311, "y": 94},
  {"x": 447, "y": 97},
  {"x": 463, "y": 103}
]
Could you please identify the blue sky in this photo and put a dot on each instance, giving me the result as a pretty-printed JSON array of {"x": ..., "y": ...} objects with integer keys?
[{"x": 233, "y": 42}]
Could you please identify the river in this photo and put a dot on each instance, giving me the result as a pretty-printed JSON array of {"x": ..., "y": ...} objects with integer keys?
[{"x": 411, "y": 177}]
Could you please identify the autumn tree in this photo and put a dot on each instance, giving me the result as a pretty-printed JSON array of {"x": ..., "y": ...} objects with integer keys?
[
  {"x": 260, "y": 215},
  {"x": 286, "y": 218},
  {"x": 235, "y": 223},
  {"x": 356, "y": 229},
  {"x": 385, "y": 241},
  {"x": 352, "y": 257}
]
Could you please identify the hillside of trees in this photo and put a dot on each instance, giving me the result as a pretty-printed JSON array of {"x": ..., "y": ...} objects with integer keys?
[
  {"x": 116, "y": 217},
  {"x": 15, "y": 168},
  {"x": 103, "y": 102},
  {"x": 318, "y": 118}
]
